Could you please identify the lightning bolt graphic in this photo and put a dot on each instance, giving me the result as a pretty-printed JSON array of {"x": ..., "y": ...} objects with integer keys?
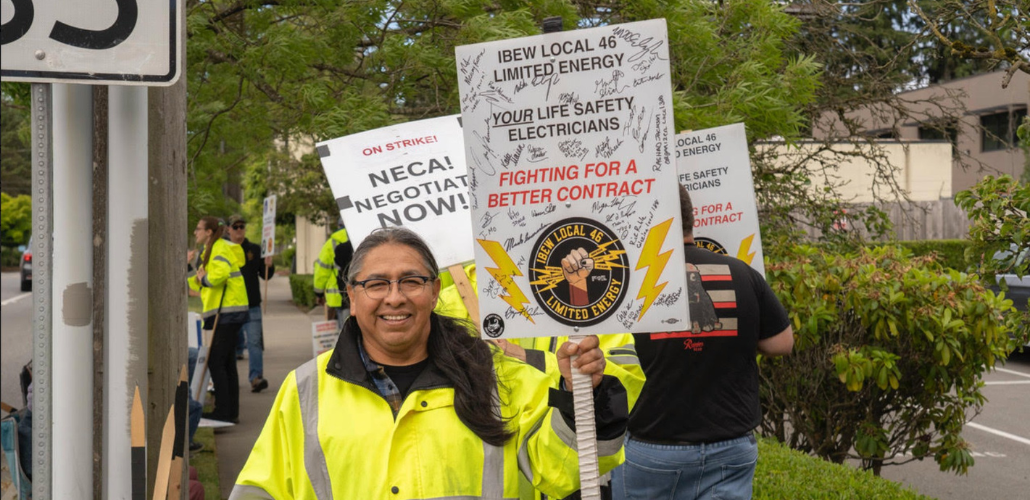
[
  {"x": 504, "y": 273},
  {"x": 745, "y": 245},
  {"x": 649, "y": 256},
  {"x": 606, "y": 261},
  {"x": 550, "y": 276}
]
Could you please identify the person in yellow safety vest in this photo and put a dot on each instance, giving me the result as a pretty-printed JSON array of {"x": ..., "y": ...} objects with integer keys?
[
  {"x": 410, "y": 405},
  {"x": 539, "y": 352},
  {"x": 225, "y": 308},
  {"x": 327, "y": 288}
]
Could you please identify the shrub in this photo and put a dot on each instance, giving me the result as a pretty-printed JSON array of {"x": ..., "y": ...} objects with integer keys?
[
  {"x": 784, "y": 473},
  {"x": 303, "y": 288},
  {"x": 950, "y": 253},
  {"x": 9, "y": 257},
  {"x": 888, "y": 356},
  {"x": 15, "y": 219},
  {"x": 284, "y": 260}
]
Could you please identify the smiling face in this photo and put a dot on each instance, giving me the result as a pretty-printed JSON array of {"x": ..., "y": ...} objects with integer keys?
[{"x": 395, "y": 328}]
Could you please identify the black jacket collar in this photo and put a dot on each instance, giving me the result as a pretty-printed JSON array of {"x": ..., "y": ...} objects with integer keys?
[{"x": 345, "y": 362}]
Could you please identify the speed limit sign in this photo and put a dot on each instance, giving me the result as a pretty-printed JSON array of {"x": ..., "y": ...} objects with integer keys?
[{"x": 112, "y": 42}]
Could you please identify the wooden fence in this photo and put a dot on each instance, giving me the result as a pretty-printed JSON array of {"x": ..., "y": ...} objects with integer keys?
[{"x": 920, "y": 220}]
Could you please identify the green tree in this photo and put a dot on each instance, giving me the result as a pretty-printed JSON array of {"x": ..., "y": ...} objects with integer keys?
[
  {"x": 15, "y": 219},
  {"x": 346, "y": 67},
  {"x": 15, "y": 147},
  {"x": 982, "y": 33}
]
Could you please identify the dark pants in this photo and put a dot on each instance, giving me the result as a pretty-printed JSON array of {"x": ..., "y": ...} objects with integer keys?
[{"x": 222, "y": 365}]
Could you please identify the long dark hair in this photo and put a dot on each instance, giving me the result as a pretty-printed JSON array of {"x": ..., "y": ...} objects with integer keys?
[
  {"x": 464, "y": 360},
  {"x": 217, "y": 229}
]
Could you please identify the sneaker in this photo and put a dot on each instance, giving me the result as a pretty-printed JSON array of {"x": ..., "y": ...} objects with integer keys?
[
  {"x": 196, "y": 446},
  {"x": 212, "y": 416},
  {"x": 258, "y": 384}
]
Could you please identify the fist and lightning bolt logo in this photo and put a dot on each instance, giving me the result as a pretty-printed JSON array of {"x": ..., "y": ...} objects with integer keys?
[
  {"x": 504, "y": 273},
  {"x": 603, "y": 261},
  {"x": 655, "y": 264}
]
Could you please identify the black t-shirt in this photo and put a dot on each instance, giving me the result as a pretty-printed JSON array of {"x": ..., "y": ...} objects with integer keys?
[
  {"x": 253, "y": 269},
  {"x": 404, "y": 376},
  {"x": 702, "y": 383}
]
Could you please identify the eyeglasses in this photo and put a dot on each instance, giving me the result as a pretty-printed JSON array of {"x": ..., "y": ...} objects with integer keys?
[
  {"x": 409, "y": 286},
  {"x": 238, "y": 226}
]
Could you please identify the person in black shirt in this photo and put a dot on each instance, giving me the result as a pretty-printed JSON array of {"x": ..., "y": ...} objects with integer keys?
[
  {"x": 690, "y": 433},
  {"x": 254, "y": 268}
]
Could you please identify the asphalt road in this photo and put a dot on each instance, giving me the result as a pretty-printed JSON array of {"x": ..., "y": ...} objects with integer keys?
[
  {"x": 15, "y": 337},
  {"x": 1000, "y": 441}
]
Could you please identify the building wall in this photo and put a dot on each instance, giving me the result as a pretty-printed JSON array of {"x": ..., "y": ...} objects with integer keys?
[
  {"x": 918, "y": 169},
  {"x": 310, "y": 238},
  {"x": 974, "y": 96}
]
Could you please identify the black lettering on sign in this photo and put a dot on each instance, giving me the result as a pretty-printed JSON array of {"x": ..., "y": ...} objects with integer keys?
[
  {"x": 19, "y": 23},
  {"x": 115, "y": 34},
  {"x": 112, "y": 36}
]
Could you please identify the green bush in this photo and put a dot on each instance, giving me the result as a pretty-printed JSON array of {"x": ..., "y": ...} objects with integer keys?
[
  {"x": 9, "y": 256},
  {"x": 303, "y": 288},
  {"x": 284, "y": 261},
  {"x": 950, "y": 253},
  {"x": 783, "y": 473},
  {"x": 889, "y": 355},
  {"x": 15, "y": 219}
]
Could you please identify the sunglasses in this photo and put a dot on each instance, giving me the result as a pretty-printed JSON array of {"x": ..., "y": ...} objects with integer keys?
[{"x": 238, "y": 226}]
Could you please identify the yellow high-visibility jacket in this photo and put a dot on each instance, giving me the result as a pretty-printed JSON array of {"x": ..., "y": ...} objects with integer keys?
[
  {"x": 223, "y": 277},
  {"x": 331, "y": 434},
  {"x": 619, "y": 350},
  {"x": 449, "y": 302},
  {"x": 326, "y": 271}
]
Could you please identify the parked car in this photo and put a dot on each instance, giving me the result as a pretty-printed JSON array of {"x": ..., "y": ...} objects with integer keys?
[
  {"x": 25, "y": 263},
  {"x": 1018, "y": 288}
]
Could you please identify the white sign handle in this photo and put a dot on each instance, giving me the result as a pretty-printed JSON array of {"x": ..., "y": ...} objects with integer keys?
[{"x": 586, "y": 432}]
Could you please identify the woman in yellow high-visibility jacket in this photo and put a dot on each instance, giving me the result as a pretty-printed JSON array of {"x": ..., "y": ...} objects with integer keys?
[
  {"x": 409, "y": 405},
  {"x": 224, "y": 295}
]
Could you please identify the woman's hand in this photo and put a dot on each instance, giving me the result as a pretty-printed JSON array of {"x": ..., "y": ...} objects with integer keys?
[{"x": 590, "y": 361}]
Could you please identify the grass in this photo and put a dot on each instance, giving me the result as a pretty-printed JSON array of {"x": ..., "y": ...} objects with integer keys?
[
  {"x": 206, "y": 462},
  {"x": 784, "y": 473},
  {"x": 194, "y": 304}
]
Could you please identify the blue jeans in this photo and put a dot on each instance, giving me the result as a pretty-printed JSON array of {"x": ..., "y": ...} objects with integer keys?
[
  {"x": 255, "y": 344},
  {"x": 717, "y": 471},
  {"x": 194, "y": 407}
]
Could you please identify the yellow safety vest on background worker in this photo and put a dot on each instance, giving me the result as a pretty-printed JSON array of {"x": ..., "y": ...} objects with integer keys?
[
  {"x": 223, "y": 275},
  {"x": 326, "y": 271}
]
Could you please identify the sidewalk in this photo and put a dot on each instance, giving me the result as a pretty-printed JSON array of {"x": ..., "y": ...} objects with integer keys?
[{"x": 287, "y": 336}]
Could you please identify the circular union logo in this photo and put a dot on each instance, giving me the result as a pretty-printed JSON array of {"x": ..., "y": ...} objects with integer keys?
[
  {"x": 493, "y": 325},
  {"x": 579, "y": 272},
  {"x": 710, "y": 245}
]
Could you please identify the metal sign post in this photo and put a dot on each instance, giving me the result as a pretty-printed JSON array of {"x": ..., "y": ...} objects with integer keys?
[{"x": 42, "y": 267}]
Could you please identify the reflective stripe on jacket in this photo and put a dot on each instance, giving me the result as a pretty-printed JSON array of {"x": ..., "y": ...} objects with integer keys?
[
  {"x": 620, "y": 353},
  {"x": 326, "y": 271},
  {"x": 331, "y": 435},
  {"x": 223, "y": 273}
]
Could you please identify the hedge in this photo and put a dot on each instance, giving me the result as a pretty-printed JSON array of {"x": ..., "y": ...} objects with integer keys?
[
  {"x": 785, "y": 473},
  {"x": 303, "y": 288},
  {"x": 950, "y": 253}
]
